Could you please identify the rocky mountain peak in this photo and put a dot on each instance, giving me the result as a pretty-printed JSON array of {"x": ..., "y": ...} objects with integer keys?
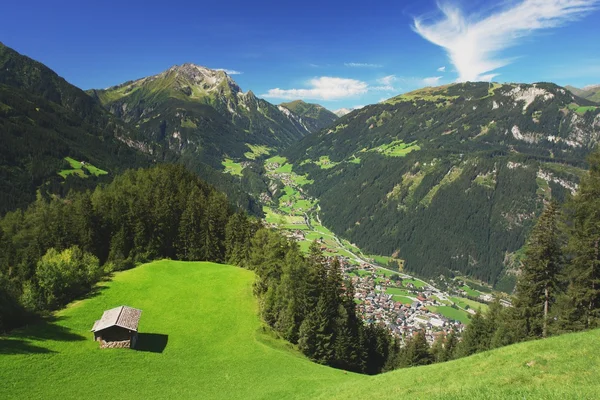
[{"x": 203, "y": 77}]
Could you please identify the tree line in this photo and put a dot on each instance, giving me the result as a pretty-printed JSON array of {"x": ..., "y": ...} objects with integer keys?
[
  {"x": 56, "y": 250},
  {"x": 558, "y": 287}
]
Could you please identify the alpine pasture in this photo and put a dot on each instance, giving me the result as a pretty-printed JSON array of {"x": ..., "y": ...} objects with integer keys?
[{"x": 200, "y": 337}]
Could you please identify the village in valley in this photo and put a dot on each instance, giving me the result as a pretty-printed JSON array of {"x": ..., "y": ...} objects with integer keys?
[{"x": 384, "y": 294}]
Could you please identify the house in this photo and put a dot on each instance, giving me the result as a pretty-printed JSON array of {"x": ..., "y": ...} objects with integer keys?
[{"x": 118, "y": 328}]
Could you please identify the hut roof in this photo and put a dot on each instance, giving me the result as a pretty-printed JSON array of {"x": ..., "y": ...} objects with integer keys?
[{"x": 123, "y": 316}]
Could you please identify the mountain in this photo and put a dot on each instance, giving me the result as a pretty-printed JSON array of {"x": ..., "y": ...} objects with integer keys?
[
  {"x": 451, "y": 178},
  {"x": 201, "y": 113},
  {"x": 591, "y": 92},
  {"x": 313, "y": 117},
  {"x": 43, "y": 120},
  {"x": 343, "y": 111}
]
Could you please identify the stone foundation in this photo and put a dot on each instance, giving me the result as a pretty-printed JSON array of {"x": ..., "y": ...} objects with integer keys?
[{"x": 123, "y": 344}]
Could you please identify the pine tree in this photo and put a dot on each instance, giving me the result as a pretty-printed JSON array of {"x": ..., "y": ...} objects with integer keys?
[
  {"x": 474, "y": 337},
  {"x": 539, "y": 279},
  {"x": 418, "y": 351},
  {"x": 583, "y": 273},
  {"x": 437, "y": 348},
  {"x": 450, "y": 343}
]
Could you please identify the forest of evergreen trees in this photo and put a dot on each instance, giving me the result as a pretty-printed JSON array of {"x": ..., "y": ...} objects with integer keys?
[
  {"x": 54, "y": 251},
  {"x": 558, "y": 288}
]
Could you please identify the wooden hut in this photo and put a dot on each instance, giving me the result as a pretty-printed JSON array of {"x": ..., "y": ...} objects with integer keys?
[{"x": 118, "y": 327}]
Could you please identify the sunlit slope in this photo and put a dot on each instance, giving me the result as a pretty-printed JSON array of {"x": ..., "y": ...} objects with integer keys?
[
  {"x": 214, "y": 347},
  {"x": 202, "y": 339},
  {"x": 564, "y": 367}
]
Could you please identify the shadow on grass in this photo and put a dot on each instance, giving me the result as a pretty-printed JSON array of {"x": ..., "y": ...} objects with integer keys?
[
  {"x": 152, "y": 342},
  {"x": 18, "y": 346},
  {"x": 39, "y": 331}
]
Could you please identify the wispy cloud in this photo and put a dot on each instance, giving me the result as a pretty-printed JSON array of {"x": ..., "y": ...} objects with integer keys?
[
  {"x": 229, "y": 71},
  {"x": 432, "y": 81},
  {"x": 386, "y": 84},
  {"x": 442, "y": 69},
  {"x": 322, "y": 88},
  {"x": 362, "y": 65},
  {"x": 474, "y": 43}
]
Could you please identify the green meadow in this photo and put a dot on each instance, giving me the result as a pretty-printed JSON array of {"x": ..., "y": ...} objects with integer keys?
[
  {"x": 79, "y": 169},
  {"x": 200, "y": 337}
]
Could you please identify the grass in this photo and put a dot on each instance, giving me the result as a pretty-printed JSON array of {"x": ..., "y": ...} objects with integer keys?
[
  {"x": 256, "y": 151},
  {"x": 403, "y": 299},
  {"x": 215, "y": 347},
  {"x": 467, "y": 303},
  {"x": 399, "y": 292},
  {"x": 188, "y": 123},
  {"x": 397, "y": 148},
  {"x": 451, "y": 313},
  {"x": 418, "y": 284},
  {"x": 232, "y": 167},
  {"x": 470, "y": 291},
  {"x": 207, "y": 342},
  {"x": 79, "y": 169},
  {"x": 581, "y": 109}
]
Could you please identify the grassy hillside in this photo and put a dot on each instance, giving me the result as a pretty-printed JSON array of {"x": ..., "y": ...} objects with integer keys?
[{"x": 201, "y": 338}]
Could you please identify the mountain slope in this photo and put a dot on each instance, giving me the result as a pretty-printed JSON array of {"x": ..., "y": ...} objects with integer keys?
[
  {"x": 200, "y": 336},
  {"x": 591, "y": 92},
  {"x": 450, "y": 178},
  {"x": 197, "y": 111},
  {"x": 313, "y": 116},
  {"x": 44, "y": 119}
]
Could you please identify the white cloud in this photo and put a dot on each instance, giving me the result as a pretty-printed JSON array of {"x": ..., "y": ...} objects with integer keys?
[
  {"x": 473, "y": 43},
  {"x": 432, "y": 81},
  {"x": 322, "y": 88},
  {"x": 229, "y": 71},
  {"x": 362, "y": 65},
  {"x": 442, "y": 69},
  {"x": 386, "y": 84},
  {"x": 387, "y": 80}
]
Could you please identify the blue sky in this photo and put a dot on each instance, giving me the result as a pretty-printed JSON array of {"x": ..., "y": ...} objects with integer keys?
[{"x": 339, "y": 54}]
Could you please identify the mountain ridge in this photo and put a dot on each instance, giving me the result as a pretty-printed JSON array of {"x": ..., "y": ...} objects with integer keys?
[
  {"x": 313, "y": 116},
  {"x": 450, "y": 178}
]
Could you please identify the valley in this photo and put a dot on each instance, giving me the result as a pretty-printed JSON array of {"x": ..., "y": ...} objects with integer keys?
[{"x": 384, "y": 293}]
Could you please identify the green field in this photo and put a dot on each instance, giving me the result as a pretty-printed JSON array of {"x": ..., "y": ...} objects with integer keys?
[
  {"x": 470, "y": 291},
  {"x": 200, "y": 337},
  {"x": 79, "y": 169},
  {"x": 397, "y": 291},
  {"x": 232, "y": 167},
  {"x": 452, "y": 313},
  {"x": 462, "y": 302},
  {"x": 417, "y": 283},
  {"x": 581, "y": 109},
  {"x": 256, "y": 151},
  {"x": 396, "y": 149}
]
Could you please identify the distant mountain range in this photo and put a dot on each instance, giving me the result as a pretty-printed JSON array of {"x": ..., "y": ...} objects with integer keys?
[
  {"x": 199, "y": 112},
  {"x": 591, "y": 92},
  {"x": 450, "y": 178},
  {"x": 187, "y": 114}
]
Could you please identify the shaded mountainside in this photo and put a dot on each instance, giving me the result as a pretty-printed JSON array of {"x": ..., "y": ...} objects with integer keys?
[
  {"x": 450, "y": 178},
  {"x": 44, "y": 119},
  {"x": 591, "y": 92},
  {"x": 313, "y": 117},
  {"x": 190, "y": 109}
]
